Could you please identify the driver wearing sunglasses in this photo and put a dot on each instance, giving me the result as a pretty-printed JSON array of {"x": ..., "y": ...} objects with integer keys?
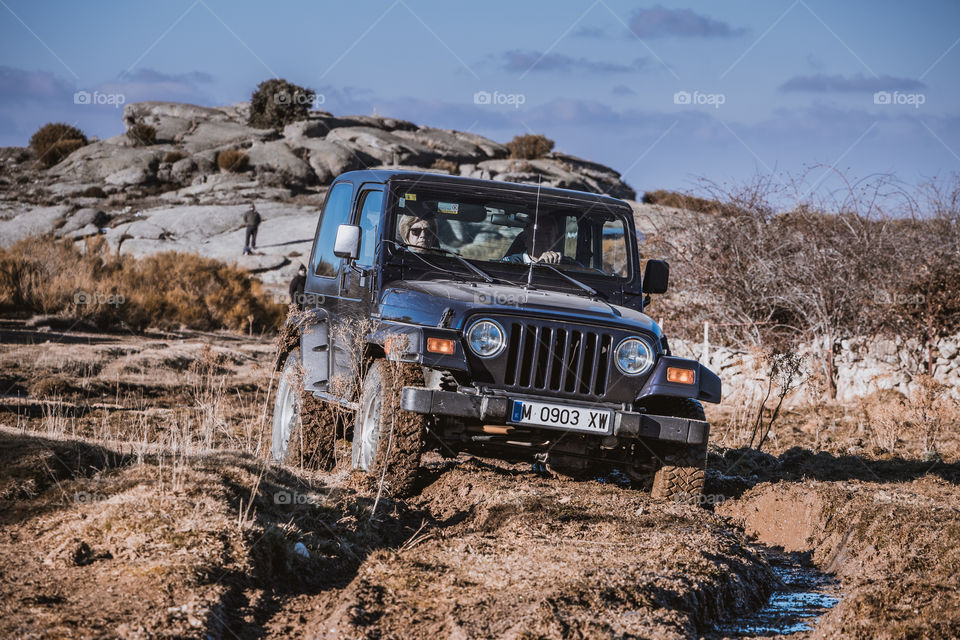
[{"x": 418, "y": 233}]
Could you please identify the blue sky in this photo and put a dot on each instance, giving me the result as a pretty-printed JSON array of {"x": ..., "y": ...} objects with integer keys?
[{"x": 665, "y": 93}]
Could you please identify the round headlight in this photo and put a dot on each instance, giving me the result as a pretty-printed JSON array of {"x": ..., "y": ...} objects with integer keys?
[
  {"x": 486, "y": 338},
  {"x": 633, "y": 356}
]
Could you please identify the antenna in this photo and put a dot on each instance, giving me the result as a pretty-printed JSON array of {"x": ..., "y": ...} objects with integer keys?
[{"x": 536, "y": 223}]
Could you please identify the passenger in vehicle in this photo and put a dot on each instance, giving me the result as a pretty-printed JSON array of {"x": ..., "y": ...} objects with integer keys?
[{"x": 547, "y": 238}]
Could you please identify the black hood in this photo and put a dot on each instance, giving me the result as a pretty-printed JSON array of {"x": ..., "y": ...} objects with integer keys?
[{"x": 425, "y": 301}]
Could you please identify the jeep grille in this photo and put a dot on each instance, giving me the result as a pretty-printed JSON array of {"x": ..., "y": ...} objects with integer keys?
[{"x": 561, "y": 359}]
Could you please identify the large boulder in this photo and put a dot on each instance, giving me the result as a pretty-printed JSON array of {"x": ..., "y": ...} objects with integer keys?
[
  {"x": 388, "y": 148},
  {"x": 33, "y": 221},
  {"x": 207, "y": 135},
  {"x": 451, "y": 144},
  {"x": 171, "y": 120},
  {"x": 329, "y": 159},
  {"x": 98, "y": 160},
  {"x": 277, "y": 157}
]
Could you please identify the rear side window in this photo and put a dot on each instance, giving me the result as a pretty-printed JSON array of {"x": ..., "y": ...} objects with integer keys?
[{"x": 335, "y": 213}]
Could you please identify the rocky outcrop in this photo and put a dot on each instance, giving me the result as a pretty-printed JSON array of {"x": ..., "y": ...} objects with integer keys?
[{"x": 171, "y": 195}]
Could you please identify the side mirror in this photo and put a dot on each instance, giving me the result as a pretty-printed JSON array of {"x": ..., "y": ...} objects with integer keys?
[
  {"x": 347, "y": 244},
  {"x": 655, "y": 276}
]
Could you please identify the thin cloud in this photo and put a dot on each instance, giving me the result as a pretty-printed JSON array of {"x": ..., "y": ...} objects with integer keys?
[
  {"x": 859, "y": 83},
  {"x": 660, "y": 22},
  {"x": 147, "y": 75},
  {"x": 19, "y": 85},
  {"x": 622, "y": 90},
  {"x": 521, "y": 61},
  {"x": 590, "y": 32}
]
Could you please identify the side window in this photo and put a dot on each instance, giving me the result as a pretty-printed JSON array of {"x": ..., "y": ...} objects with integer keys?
[
  {"x": 369, "y": 222},
  {"x": 335, "y": 213}
]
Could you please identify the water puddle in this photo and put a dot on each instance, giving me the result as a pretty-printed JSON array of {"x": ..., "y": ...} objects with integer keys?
[{"x": 806, "y": 594}]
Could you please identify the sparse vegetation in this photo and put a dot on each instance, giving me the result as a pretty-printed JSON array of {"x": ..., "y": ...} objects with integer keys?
[
  {"x": 530, "y": 146},
  {"x": 167, "y": 290},
  {"x": 815, "y": 275},
  {"x": 681, "y": 201},
  {"x": 276, "y": 103},
  {"x": 442, "y": 164},
  {"x": 142, "y": 135},
  {"x": 93, "y": 192},
  {"x": 55, "y": 141},
  {"x": 173, "y": 156},
  {"x": 233, "y": 160}
]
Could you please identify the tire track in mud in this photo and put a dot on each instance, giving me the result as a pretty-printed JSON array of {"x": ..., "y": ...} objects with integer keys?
[{"x": 494, "y": 550}]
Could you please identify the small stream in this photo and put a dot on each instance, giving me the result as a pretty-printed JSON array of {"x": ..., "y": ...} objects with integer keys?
[{"x": 806, "y": 594}]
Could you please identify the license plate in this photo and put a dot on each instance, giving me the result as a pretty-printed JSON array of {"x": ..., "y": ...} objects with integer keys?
[{"x": 560, "y": 416}]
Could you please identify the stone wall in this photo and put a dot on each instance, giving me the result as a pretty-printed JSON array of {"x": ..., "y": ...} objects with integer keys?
[{"x": 864, "y": 366}]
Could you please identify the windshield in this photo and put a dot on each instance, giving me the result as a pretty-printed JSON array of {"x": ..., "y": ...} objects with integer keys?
[{"x": 586, "y": 239}]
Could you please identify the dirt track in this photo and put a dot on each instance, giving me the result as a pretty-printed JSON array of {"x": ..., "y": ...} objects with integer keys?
[{"x": 134, "y": 539}]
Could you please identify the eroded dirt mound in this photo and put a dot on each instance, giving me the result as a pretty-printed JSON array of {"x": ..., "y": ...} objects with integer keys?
[
  {"x": 510, "y": 554},
  {"x": 895, "y": 546},
  {"x": 220, "y": 545}
]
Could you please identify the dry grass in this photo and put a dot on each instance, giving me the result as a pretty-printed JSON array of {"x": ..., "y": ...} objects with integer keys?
[
  {"x": 919, "y": 421},
  {"x": 168, "y": 290}
]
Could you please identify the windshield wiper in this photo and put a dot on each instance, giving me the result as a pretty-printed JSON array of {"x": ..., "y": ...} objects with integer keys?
[
  {"x": 590, "y": 290},
  {"x": 469, "y": 265}
]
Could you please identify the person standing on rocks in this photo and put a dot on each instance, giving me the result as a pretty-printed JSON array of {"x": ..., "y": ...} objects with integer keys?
[
  {"x": 252, "y": 219},
  {"x": 296, "y": 288}
]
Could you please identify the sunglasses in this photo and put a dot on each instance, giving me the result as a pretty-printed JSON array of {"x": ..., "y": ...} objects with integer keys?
[{"x": 418, "y": 231}]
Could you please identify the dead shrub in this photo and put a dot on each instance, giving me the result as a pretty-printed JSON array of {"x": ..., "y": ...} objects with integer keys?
[
  {"x": 142, "y": 135},
  {"x": 894, "y": 420},
  {"x": 277, "y": 102},
  {"x": 233, "y": 160},
  {"x": 93, "y": 192},
  {"x": 167, "y": 290},
  {"x": 442, "y": 164},
  {"x": 54, "y": 141},
  {"x": 530, "y": 146},
  {"x": 173, "y": 156},
  {"x": 681, "y": 201}
]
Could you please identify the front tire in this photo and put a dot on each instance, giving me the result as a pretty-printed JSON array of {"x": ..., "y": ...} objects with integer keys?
[
  {"x": 682, "y": 468},
  {"x": 304, "y": 427},
  {"x": 387, "y": 441}
]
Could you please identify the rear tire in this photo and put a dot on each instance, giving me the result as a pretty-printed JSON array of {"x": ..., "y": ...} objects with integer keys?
[
  {"x": 304, "y": 427},
  {"x": 682, "y": 469},
  {"x": 387, "y": 441}
]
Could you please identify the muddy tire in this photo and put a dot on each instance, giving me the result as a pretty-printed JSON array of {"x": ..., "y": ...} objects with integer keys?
[
  {"x": 681, "y": 474},
  {"x": 304, "y": 427},
  {"x": 387, "y": 441}
]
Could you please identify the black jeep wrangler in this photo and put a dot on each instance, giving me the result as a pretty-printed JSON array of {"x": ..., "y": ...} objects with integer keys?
[{"x": 458, "y": 314}]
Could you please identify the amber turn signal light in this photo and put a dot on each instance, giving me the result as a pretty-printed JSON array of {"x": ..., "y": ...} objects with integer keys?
[
  {"x": 440, "y": 345},
  {"x": 680, "y": 376}
]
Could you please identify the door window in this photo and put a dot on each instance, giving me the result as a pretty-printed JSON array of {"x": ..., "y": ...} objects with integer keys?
[{"x": 335, "y": 213}]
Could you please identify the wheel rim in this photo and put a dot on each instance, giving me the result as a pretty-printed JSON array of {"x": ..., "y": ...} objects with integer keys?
[
  {"x": 369, "y": 431},
  {"x": 284, "y": 413}
]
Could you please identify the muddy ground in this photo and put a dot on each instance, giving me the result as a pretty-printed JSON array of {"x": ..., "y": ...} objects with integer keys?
[{"x": 135, "y": 503}]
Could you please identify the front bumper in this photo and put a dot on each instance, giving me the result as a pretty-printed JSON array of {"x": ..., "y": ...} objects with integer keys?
[{"x": 495, "y": 408}]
